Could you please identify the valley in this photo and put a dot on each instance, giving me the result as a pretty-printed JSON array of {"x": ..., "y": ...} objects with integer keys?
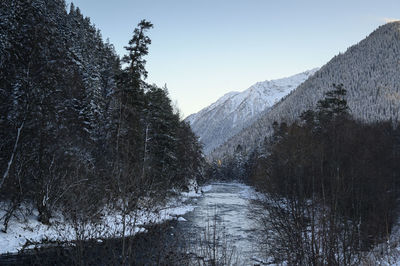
[{"x": 98, "y": 166}]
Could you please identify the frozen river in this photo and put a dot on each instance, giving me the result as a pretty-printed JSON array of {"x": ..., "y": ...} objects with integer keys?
[
  {"x": 222, "y": 226},
  {"x": 227, "y": 207}
]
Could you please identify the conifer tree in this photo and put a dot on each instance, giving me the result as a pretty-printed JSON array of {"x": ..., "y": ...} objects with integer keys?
[
  {"x": 334, "y": 104},
  {"x": 79, "y": 130}
]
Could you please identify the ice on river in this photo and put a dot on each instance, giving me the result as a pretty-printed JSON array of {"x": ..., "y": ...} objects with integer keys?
[{"x": 229, "y": 206}]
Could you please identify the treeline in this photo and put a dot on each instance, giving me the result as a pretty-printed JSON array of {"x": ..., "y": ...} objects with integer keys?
[
  {"x": 80, "y": 129},
  {"x": 332, "y": 182},
  {"x": 369, "y": 73}
]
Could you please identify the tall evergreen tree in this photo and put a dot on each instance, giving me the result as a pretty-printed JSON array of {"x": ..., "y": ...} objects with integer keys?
[
  {"x": 334, "y": 104},
  {"x": 78, "y": 129}
]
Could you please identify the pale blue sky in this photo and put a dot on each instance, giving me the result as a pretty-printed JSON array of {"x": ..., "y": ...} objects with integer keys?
[{"x": 203, "y": 49}]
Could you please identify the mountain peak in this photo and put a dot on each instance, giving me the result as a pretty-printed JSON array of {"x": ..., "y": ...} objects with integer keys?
[
  {"x": 234, "y": 111},
  {"x": 369, "y": 71}
]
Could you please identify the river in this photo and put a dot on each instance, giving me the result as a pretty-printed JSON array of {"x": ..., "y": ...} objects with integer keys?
[
  {"x": 228, "y": 208},
  {"x": 221, "y": 230}
]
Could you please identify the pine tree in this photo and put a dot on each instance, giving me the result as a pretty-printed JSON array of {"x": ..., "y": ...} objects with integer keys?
[
  {"x": 161, "y": 125},
  {"x": 130, "y": 184},
  {"x": 77, "y": 129},
  {"x": 138, "y": 48},
  {"x": 334, "y": 104}
]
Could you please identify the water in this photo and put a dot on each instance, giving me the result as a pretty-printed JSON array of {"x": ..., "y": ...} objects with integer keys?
[
  {"x": 227, "y": 207},
  {"x": 222, "y": 226}
]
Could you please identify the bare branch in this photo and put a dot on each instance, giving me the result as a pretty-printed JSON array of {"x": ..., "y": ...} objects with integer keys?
[{"x": 5, "y": 175}]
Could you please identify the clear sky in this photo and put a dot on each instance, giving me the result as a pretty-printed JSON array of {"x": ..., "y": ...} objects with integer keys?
[{"x": 203, "y": 49}]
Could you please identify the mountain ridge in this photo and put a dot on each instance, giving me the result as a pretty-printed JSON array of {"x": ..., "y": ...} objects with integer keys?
[
  {"x": 234, "y": 111},
  {"x": 369, "y": 70}
]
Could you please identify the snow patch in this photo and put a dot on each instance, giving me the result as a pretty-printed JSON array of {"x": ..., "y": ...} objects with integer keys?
[
  {"x": 206, "y": 188},
  {"x": 181, "y": 219},
  {"x": 24, "y": 229}
]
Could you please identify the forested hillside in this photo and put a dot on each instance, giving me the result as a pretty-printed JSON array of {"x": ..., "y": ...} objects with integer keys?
[
  {"x": 79, "y": 127},
  {"x": 370, "y": 72},
  {"x": 332, "y": 184}
]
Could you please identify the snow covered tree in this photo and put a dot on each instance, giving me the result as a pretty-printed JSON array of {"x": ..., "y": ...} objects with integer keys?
[{"x": 78, "y": 129}]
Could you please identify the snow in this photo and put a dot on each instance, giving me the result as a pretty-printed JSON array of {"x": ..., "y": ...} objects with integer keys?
[
  {"x": 206, "y": 188},
  {"x": 387, "y": 253},
  {"x": 20, "y": 231},
  {"x": 24, "y": 229},
  {"x": 181, "y": 219},
  {"x": 250, "y": 193},
  {"x": 235, "y": 110},
  {"x": 191, "y": 193},
  {"x": 227, "y": 208}
]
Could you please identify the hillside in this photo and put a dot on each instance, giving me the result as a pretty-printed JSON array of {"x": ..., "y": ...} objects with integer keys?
[
  {"x": 236, "y": 110},
  {"x": 369, "y": 70}
]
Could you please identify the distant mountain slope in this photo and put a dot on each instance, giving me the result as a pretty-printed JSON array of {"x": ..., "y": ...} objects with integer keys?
[
  {"x": 369, "y": 70},
  {"x": 235, "y": 110}
]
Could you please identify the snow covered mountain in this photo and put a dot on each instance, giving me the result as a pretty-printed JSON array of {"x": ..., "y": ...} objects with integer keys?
[
  {"x": 235, "y": 110},
  {"x": 369, "y": 71}
]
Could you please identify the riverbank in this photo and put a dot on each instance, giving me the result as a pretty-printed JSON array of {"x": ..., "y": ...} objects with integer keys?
[
  {"x": 215, "y": 224},
  {"x": 160, "y": 243},
  {"x": 26, "y": 232}
]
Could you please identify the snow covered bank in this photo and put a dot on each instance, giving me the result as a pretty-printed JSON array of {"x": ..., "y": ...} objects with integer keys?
[
  {"x": 386, "y": 253},
  {"x": 25, "y": 230}
]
